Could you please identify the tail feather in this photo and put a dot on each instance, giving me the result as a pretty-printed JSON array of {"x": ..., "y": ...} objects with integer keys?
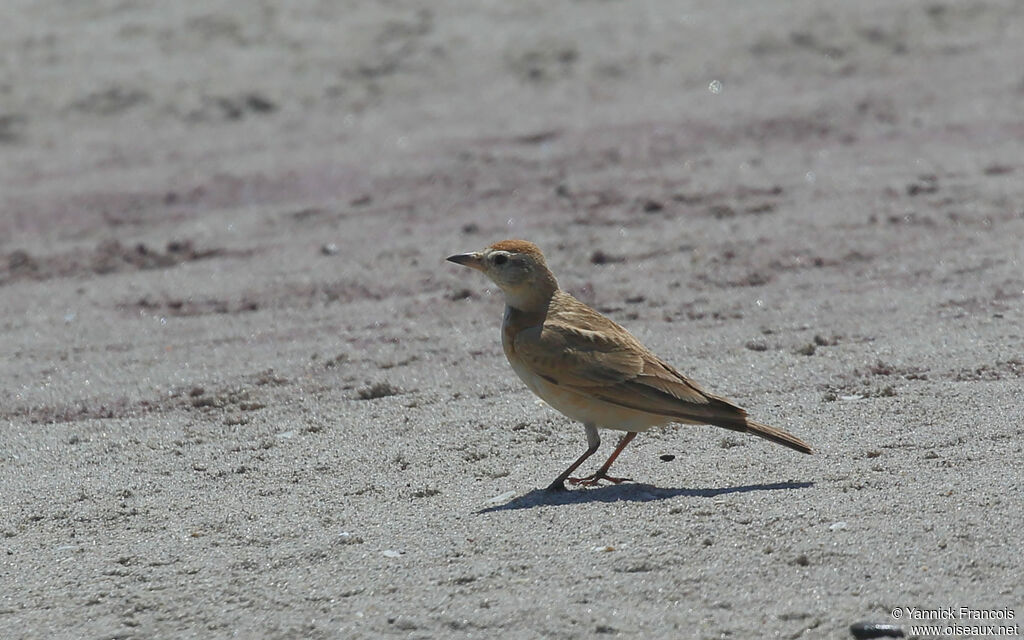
[
  {"x": 715, "y": 411},
  {"x": 729, "y": 416},
  {"x": 777, "y": 435}
]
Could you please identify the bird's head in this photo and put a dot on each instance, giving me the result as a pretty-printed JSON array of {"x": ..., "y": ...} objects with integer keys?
[{"x": 519, "y": 270}]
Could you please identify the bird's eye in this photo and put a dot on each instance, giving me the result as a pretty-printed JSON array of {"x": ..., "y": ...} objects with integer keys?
[{"x": 500, "y": 259}]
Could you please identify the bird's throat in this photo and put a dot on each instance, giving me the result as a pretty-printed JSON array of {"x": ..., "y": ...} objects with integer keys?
[{"x": 533, "y": 296}]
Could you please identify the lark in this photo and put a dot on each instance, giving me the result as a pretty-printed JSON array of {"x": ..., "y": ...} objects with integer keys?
[{"x": 589, "y": 368}]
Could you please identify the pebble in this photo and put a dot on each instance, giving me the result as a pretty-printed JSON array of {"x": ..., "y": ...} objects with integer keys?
[{"x": 864, "y": 630}]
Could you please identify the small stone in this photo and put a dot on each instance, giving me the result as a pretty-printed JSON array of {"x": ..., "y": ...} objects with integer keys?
[
  {"x": 377, "y": 390},
  {"x": 652, "y": 206},
  {"x": 867, "y": 630},
  {"x": 259, "y": 103},
  {"x": 600, "y": 257},
  {"x": 347, "y": 538},
  {"x": 807, "y": 350}
]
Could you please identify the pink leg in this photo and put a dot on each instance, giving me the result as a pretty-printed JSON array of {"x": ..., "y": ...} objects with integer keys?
[{"x": 602, "y": 473}]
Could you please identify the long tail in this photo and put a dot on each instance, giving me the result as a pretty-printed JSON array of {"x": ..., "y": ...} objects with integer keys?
[
  {"x": 714, "y": 410},
  {"x": 777, "y": 435}
]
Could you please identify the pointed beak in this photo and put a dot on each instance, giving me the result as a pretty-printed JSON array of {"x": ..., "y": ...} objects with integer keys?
[{"x": 472, "y": 260}]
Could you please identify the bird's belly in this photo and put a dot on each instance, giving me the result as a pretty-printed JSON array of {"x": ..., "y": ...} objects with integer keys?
[{"x": 586, "y": 409}]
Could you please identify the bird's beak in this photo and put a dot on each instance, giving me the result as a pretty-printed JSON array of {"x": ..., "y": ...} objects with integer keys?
[{"x": 472, "y": 260}]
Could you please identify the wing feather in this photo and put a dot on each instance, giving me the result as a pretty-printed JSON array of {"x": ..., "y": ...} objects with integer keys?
[{"x": 581, "y": 350}]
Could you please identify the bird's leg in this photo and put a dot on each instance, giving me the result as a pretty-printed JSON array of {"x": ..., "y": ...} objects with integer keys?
[
  {"x": 602, "y": 473},
  {"x": 593, "y": 442}
]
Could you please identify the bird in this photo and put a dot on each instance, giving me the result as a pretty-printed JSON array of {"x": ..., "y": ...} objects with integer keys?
[{"x": 589, "y": 368}]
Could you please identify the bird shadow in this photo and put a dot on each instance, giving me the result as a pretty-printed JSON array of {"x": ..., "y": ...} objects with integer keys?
[{"x": 629, "y": 493}]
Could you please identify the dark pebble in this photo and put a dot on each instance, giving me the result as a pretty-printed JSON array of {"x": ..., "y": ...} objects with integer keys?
[
  {"x": 653, "y": 206},
  {"x": 875, "y": 630}
]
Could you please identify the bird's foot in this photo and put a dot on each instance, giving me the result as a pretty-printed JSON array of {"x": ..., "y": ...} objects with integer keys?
[
  {"x": 557, "y": 485},
  {"x": 595, "y": 479}
]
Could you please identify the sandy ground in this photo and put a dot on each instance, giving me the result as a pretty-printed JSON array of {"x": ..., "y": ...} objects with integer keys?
[{"x": 243, "y": 395}]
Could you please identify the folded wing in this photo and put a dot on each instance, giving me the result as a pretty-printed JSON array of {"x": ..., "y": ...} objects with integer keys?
[{"x": 604, "y": 361}]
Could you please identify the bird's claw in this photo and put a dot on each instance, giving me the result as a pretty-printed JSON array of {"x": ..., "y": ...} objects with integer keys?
[{"x": 595, "y": 480}]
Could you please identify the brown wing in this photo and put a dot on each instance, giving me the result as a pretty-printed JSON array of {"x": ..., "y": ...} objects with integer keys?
[{"x": 582, "y": 350}]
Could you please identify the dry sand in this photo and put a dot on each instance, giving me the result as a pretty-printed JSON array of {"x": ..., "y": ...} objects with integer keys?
[{"x": 243, "y": 395}]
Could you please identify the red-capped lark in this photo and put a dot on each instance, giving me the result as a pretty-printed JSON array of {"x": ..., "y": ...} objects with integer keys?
[{"x": 591, "y": 369}]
